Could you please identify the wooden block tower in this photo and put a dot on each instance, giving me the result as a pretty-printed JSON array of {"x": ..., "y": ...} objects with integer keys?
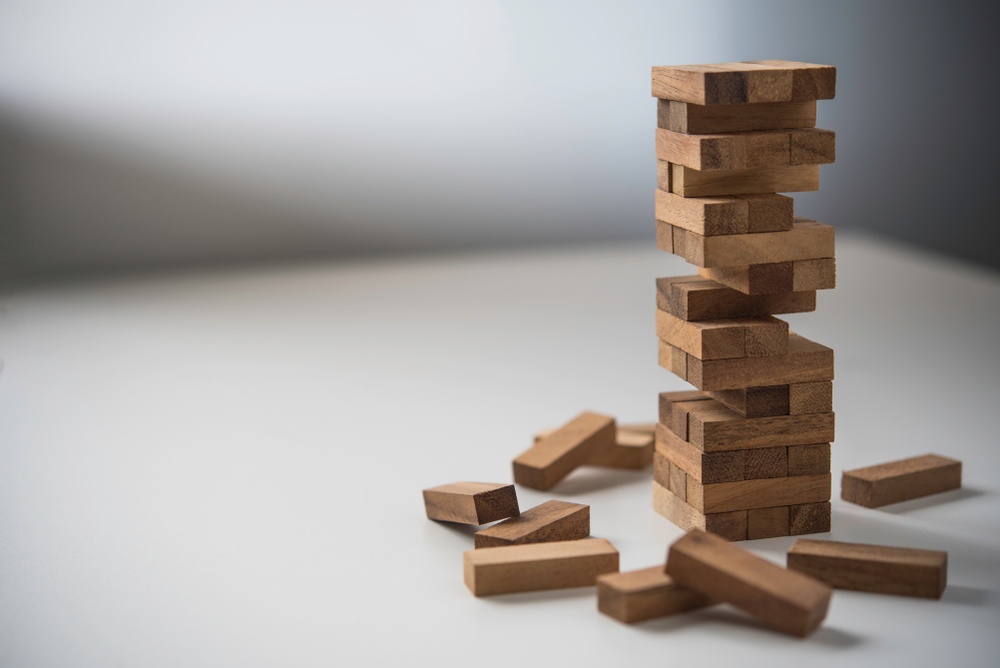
[{"x": 748, "y": 455}]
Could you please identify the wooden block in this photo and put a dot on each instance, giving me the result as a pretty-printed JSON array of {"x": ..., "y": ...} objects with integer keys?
[
  {"x": 538, "y": 566},
  {"x": 805, "y": 361},
  {"x": 705, "y": 467},
  {"x": 645, "y": 594},
  {"x": 811, "y": 146},
  {"x": 806, "y": 240},
  {"x": 723, "y": 497},
  {"x": 695, "y": 298},
  {"x": 875, "y": 568},
  {"x": 785, "y": 600},
  {"x": 809, "y": 81},
  {"x": 721, "y": 339},
  {"x": 810, "y": 397},
  {"x": 551, "y": 459},
  {"x": 549, "y": 522},
  {"x": 767, "y": 522},
  {"x": 664, "y": 176},
  {"x": 702, "y": 119},
  {"x": 668, "y": 399},
  {"x": 757, "y": 279},
  {"x": 471, "y": 502},
  {"x": 729, "y": 526},
  {"x": 880, "y": 485},
  {"x": 768, "y": 212},
  {"x": 819, "y": 274},
  {"x": 752, "y": 402},
  {"x": 810, "y": 459},
  {"x": 705, "y": 215},
  {"x": 766, "y": 463},
  {"x": 723, "y": 83},
  {"x": 633, "y": 448},
  {"x": 712, "y": 427},
  {"x": 809, "y": 518},
  {"x": 670, "y": 476},
  {"x": 688, "y": 182},
  {"x": 745, "y": 150},
  {"x": 638, "y": 427}
]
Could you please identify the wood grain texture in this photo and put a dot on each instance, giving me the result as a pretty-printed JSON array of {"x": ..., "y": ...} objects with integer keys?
[
  {"x": 712, "y": 426},
  {"x": 667, "y": 401},
  {"x": 809, "y": 80},
  {"x": 648, "y": 593},
  {"x": 551, "y": 459},
  {"x": 805, "y": 241},
  {"x": 471, "y": 502},
  {"x": 874, "y": 568},
  {"x": 746, "y": 150},
  {"x": 892, "y": 482},
  {"x": 695, "y": 298},
  {"x": 809, "y": 459},
  {"x": 735, "y": 214},
  {"x": 807, "y": 518},
  {"x": 688, "y": 182},
  {"x": 538, "y": 566},
  {"x": 723, "y": 83},
  {"x": 753, "y": 402},
  {"x": 767, "y": 522},
  {"x": 551, "y": 521},
  {"x": 771, "y": 278},
  {"x": 814, "y": 397},
  {"x": 788, "y": 601},
  {"x": 702, "y": 119},
  {"x": 722, "y": 339},
  {"x": 705, "y": 467},
  {"x": 728, "y": 526},
  {"x": 633, "y": 448},
  {"x": 768, "y": 212},
  {"x": 723, "y": 497}
]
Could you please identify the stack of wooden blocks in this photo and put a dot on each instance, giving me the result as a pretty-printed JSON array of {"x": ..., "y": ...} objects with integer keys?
[{"x": 747, "y": 456}]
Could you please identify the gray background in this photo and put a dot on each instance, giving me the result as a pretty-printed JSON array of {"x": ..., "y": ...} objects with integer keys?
[{"x": 146, "y": 135}]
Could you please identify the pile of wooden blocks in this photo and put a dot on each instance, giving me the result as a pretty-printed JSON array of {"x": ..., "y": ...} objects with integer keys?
[{"x": 748, "y": 456}]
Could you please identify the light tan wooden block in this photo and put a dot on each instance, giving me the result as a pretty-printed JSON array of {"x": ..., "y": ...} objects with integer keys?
[
  {"x": 664, "y": 176},
  {"x": 471, "y": 502},
  {"x": 538, "y": 566},
  {"x": 551, "y": 459},
  {"x": 706, "y": 119},
  {"x": 806, "y": 361},
  {"x": 767, "y": 522},
  {"x": 753, "y": 402},
  {"x": 705, "y": 467},
  {"x": 785, "y": 600},
  {"x": 768, "y": 212},
  {"x": 723, "y": 497},
  {"x": 758, "y": 279},
  {"x": 728, "y": 526},
  {"x": 670, "y": 476},
  {"x": 645, "y": 594},
  {"x": 809, "y": 518},
  {"x": 705, "y": 215},
  {"x": 723, "y": 83},
  {"x": 874, "y": 568},
  {"x": 820, "y": 274},
  {"x": 633, "y": 448},
  {"x": 809, "y": 80},
  {"x": 745, "y": 150},
  {"x": 809, "y": 459},
  {"x": 688, "y": 182},
  {"x": 712, "y": 427},
  {"x": 551, "y": 521},
  {"x": 638, "y": 427},
  {"x": 810, "y": 397},
  {"x": 721, "y": 339},
  {"x": 880, "y": 485},
  {"x": 812, "y": 146},
  {"x": 667, "y": 400},
  {"x": 695, "y": 298},
  {"x": 806, "y": 240}
]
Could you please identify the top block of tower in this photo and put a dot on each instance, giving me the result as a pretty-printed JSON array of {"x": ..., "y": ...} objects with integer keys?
[{"x": 745, "y": 82}]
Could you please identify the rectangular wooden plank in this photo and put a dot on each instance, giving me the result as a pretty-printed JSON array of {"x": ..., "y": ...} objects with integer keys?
[
  {"x": 767, "y": 522},
  {"x": 538, "y": 566},
  {"x": 809, "y": 80},
  {"x": 712, "y": 426},
  {"x": 814, "y": 397},
  {"x": 695, "y": 298},
  {"x": 720, "y": 339},
  {"x": 721, "y": 497},
  {"x": 723, "y": 83},
  {"x": 768, "y": 212},
  {"x": 766, "y": 462},
  {"x": 874, "y": 568},
  {"x": 667, "y": 400},
  {"x": 811, "y": 146},
  {"x": 752, "y": 402},
  {"x": 785, "y": 600},
  {"x": 746, "y": 150},
  {"x": 648, "y": 593},
  {"x": 773, "y": 278},
  {"x": 705, "y": 215},
  {"x": 633, "y": 448},
  {"x": 705, "y": 119},
  {"x": 728, "y": 526},
  {"x": 551, "y": 459},
  {"x": 670, "y": 476},
  {"x": 807, "y": 240},
  {"x": 551, "y": 521},
  {"x": 818, "y": 274},
  {"x": 688, "y": 182},
  {"x": 902, "y": 480},
  {"x": 809, "y": 459},
  {"x": 807, "y": 518},
  {"x": 705, "y": 467},
  {"x": 471, "y": 502}
]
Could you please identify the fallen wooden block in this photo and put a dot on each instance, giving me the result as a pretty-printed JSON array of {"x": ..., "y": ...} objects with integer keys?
[
  {"x": 695, "y": 298},
  {"x": 688, "y": 182},
  {"x": 880, "y": 485},
  {"x": 538, "y": 566},
  {"x": 722, "y": 497},
  {"x": 746, "y": 150},
  {"x": 785, "y": 600},
  {"x": 733, "y": 214},
  {"x": 471, "y": 502},
  {"x": 807, "y": 240},
  {"x": 773, "y": 277},
  {"x": 705, "y": 119},
  {"x": 874, "y": 568},
  {"x": 745, "y": 82},
  {"x": 648, "y": 593},
  {"x": 729, "y": 525},
  {"x": 549, "y": 522},
  {"x": 633, "y": 448},
  {"x": 721, "y": 339},
  {"x": 551, "y": 459}
]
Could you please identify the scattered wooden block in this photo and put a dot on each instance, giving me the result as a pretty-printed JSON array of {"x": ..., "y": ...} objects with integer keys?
[
  {"x": 633, "y": 448},
  {"x": 712, "y": 427},
  {"x": 549, "y": 522},
  {"x": 809, "y": 518},
  {"x": 809, "y": 81},
  {"x": 695, "y": 298},
  {"x": 880, "y": 485},
  {"x": 805, "y": 241},
  {"x": 551, "y": 459},
  {"x": 805, "y": 361},
  {"x": 724, "y": 497},
  {"x": 688, "y": 182},
  {"x": 721, "y": 339},
  {"x": 874, "y": 568},
  {"x": 767, "y": 522},
  {"x": 785, "y": 600},
  {"x": 471, "y": 502},
  {"x": 538, "y": 566},
  {"x": 745, "y": 150},
  {"x": 738, "y": 214},
  {"x": 729, "y": 526},
  {"x": 645, "y": 594},
  {"x": 702, "y": 119},
  {"x": 811, "y": 459}
]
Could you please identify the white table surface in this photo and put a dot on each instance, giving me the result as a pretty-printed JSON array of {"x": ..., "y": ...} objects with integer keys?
[{"x": 224, "y": 469}]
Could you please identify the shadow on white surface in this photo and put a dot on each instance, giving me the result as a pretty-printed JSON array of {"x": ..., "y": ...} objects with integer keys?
[
  {"x": 535, "y": 597},
  {"x": 593, "y": 479},
  {"x": 952, "y": 496}
]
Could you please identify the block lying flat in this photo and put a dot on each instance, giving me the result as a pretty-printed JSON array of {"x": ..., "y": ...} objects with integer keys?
[
  {"x": 721, "y": 339},
  {"x": 745, "y": 150},
  {"x": 734, "y": 214},
  {"x": 551, "y": 521},
  {"x": 760, "y": 493},
  {"x": 645, "y": 594},
  {"x": 880, "y": 485},
  {"x": 538, "y": 566},
  {"x": 695, "y": 298},
  {"x": 807, "y": 240},
  {"x": 785, "y": 600},
  {"x": 873, "y": 568},
  {"x": 745, "y": 82},
  {"x": 712, "y": 427},
  {"x": 729, "y": 526},
  {"x": 551, "y": 459},
  {"x": 688, "y": 182},
  {"x": 702, "y": 119},
  {"x": 774, "y": 277},
  {"x": 633, "y": 448},
  {"x": 471, "y": 502}
]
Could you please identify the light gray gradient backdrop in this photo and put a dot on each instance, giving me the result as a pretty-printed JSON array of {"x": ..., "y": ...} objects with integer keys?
[{"x": 175, "y": 133}]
